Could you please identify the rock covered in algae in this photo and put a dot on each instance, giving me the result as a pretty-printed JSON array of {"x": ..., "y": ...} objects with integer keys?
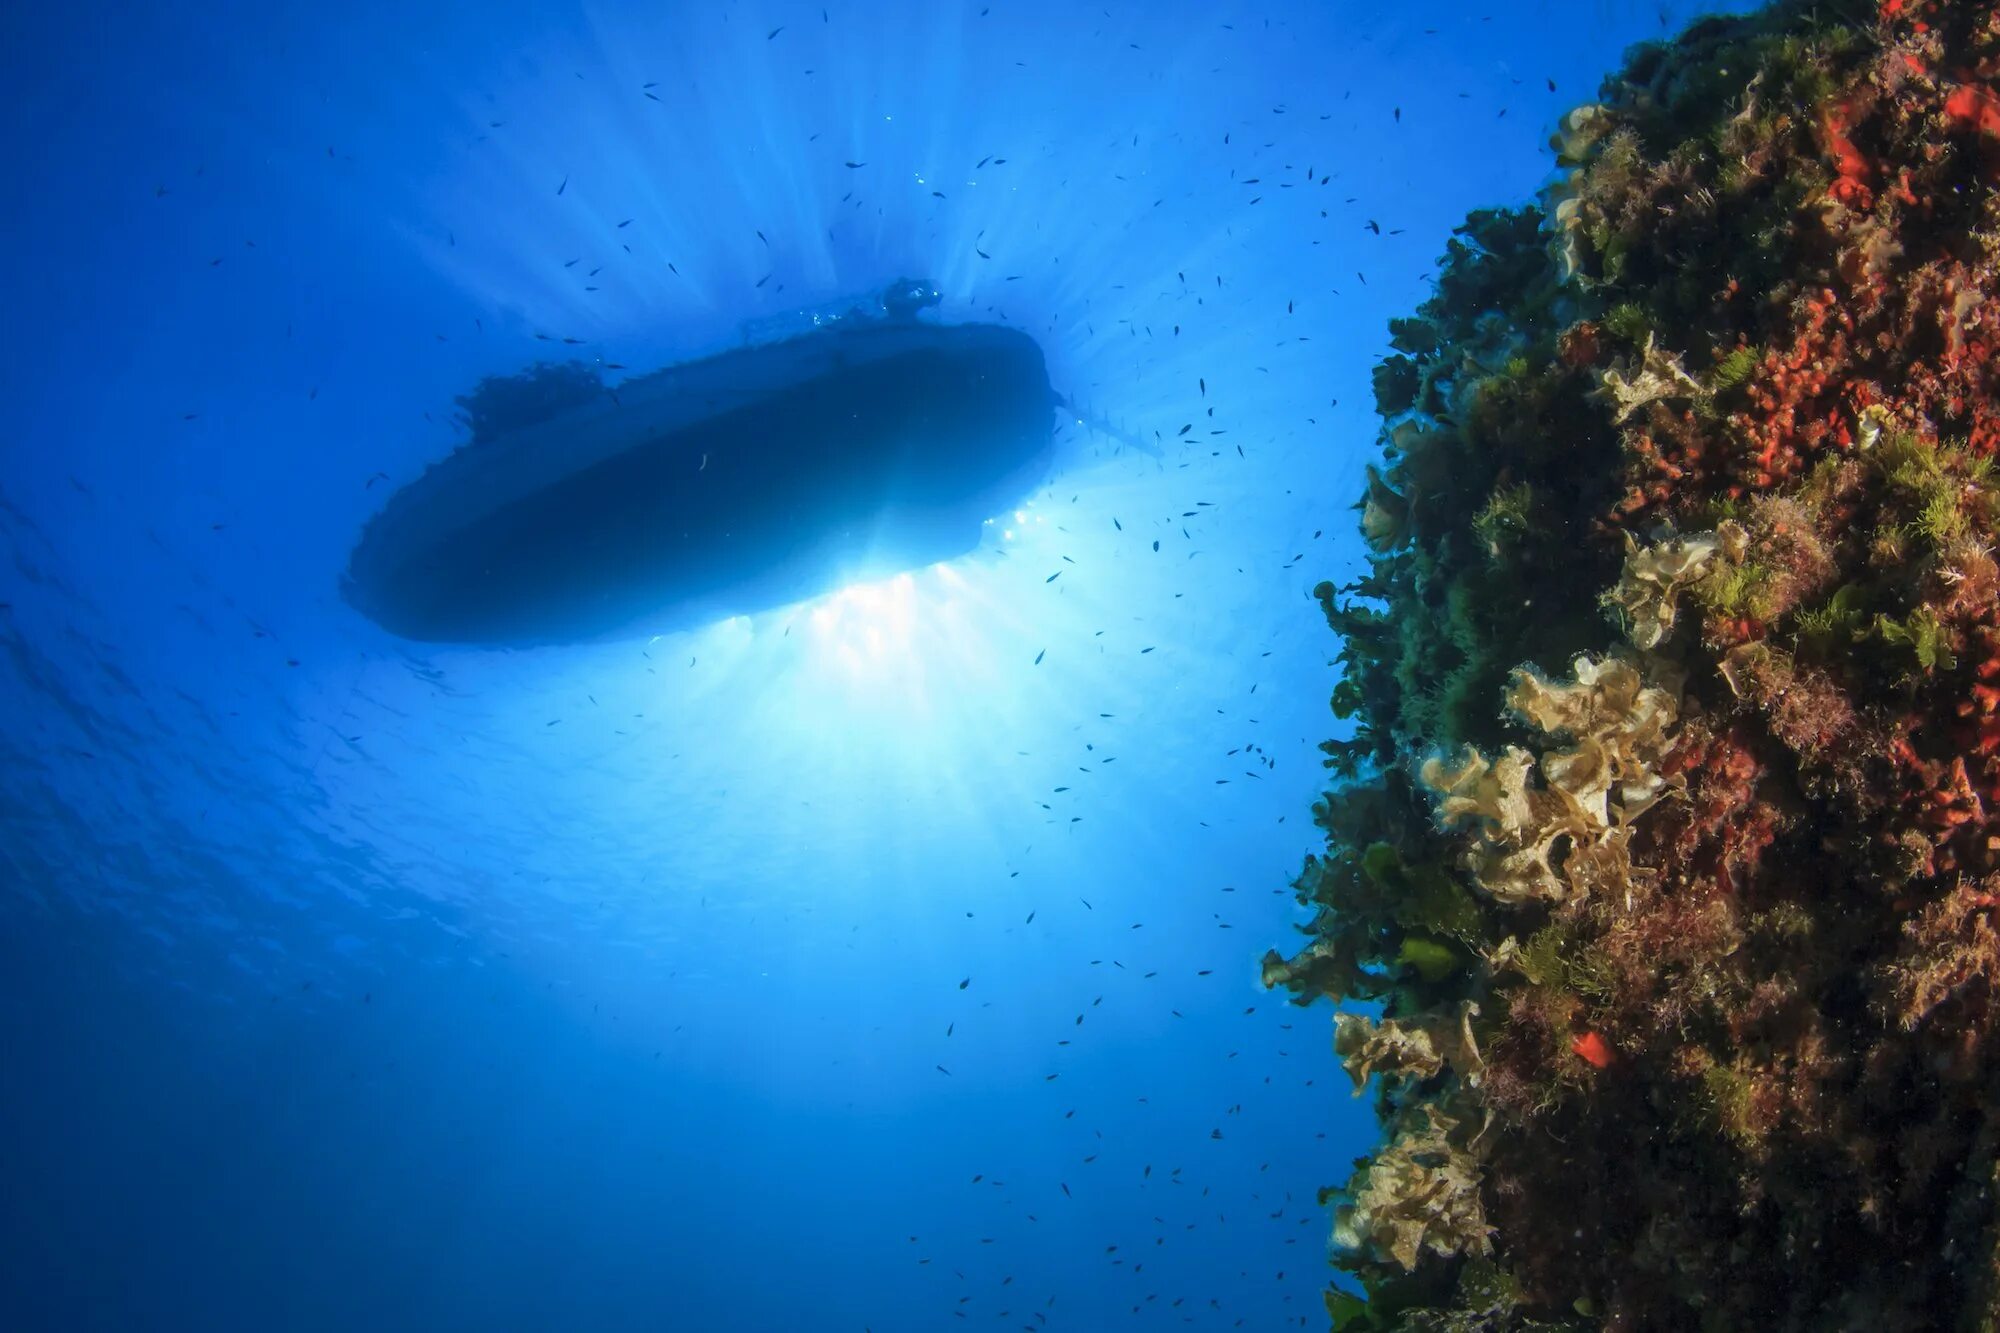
[{"x": 1681, "y": 896}]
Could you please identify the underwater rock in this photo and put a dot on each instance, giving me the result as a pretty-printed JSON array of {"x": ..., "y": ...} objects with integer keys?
[{"x": 1720, "y": 907}]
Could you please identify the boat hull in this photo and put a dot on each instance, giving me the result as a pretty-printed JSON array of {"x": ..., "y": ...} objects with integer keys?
[{"x": 726, "y": 486}]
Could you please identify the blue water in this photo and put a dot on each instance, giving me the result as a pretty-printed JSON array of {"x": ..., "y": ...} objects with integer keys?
[{"x": 348, "y": 983}]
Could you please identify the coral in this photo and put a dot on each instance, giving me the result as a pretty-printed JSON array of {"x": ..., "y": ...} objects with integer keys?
[{"x": 1685, "y": 928}]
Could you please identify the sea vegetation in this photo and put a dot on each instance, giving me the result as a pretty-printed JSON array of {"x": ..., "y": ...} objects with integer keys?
[{"x": 1661, "y": 881}]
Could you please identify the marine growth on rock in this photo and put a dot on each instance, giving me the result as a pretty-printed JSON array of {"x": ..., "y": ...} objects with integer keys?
[{"x": 1666, "y": 915}]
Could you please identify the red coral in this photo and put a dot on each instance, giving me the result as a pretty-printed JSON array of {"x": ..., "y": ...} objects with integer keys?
[
  {"x": 1669, "y": 457},
  {"x": 1949, "y": 800},
  {"x": 1798, "y": 396},
  {"x": 1948, "y": 361},
  {"x": 1959, "y": 803},
  {"x": 1893, "y": 321},
  {"x": 1974, "y": 107},
  {"x": 1852, "y": 187},
  {"x": 1979, "y": 714}
]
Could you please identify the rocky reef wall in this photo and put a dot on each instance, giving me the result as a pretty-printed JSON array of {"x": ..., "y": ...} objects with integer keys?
[{"x": 1667, "y": 829}]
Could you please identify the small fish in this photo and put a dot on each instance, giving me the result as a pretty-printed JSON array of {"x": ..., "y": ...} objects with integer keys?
[
  {"x": 1039, "y": 656},
  {"x": 563, "y": 186},
  {"x": 774, "y": 32}
]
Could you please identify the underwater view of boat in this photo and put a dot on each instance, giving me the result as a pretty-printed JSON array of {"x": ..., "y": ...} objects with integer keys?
[{"x": 873, "y": 443}]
